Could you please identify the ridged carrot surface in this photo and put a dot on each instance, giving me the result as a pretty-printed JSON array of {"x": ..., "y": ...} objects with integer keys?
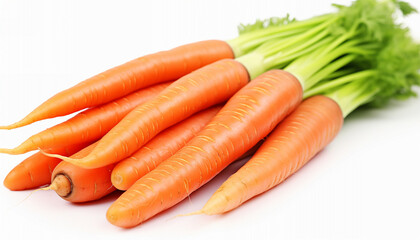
[
  {"x": 205, "y": 87},
  {"x": 129, "y": 77},
  {"x": 89, "y": 125},
  {"x": 290, "y": 146},
  {"x": 245, "y": 119},
  {"x": 164, "y": 145},
  {"x": 76, "y": 184},
  {"x": 36, "y": 170}
]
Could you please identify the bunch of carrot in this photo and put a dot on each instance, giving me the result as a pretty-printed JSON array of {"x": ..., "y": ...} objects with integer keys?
[{"x": 163, "y": 125}]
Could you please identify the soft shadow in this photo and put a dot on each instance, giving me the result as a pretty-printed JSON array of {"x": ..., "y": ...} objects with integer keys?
[{"x": 105, "y": 200}]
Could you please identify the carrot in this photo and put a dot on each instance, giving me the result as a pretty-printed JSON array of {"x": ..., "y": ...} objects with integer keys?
[
  {"x": 311, "y": 56},
  {"x": 129, "y": 77},
  {"x": 217, "y": 82},
  {"x": 245, "y": 119},
  {"x": 290, "y": 146},
  {"x": 36, "y": 170},
  {"x": 76, "y": 184},
  {"x": 164, "y": 145},
  {"x": 163, "y": 66},
  {"x": 180, "y": 100},
  {"x": 88, "y": 125},
  {"x": 390, "y": 73}
]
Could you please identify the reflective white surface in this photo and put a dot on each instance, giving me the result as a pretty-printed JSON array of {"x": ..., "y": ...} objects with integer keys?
[{"x": 364, "y": 185}]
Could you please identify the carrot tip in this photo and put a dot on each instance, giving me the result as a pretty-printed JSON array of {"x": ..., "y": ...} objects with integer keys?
[
  {"x": 64, "y": 158},
  {"x": 33, "y": 191},
  {"x": 12, "y": 126},
  {"x": 5, "y": 150},
  {"x": 200, "y": 212},
  {"x": 10, "y": 151}
]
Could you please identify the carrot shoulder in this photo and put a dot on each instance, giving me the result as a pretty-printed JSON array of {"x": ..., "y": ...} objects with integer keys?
[
  {"x": 205, "y": 87},
  {"x": 290, "y": 146},
  {"x": 89, "y": 125},
  {"x": 164, "y": 145},
  {"x": 36, "y": 170},
  {"x": 245, "y": 119},
  {"x": 129, "y": 77}
]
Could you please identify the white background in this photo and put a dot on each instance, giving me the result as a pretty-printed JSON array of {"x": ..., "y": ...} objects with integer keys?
[{"x": 364, "y": 185}]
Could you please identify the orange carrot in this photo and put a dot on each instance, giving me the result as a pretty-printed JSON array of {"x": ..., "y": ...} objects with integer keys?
[
  {"x": 317, "y": 120},
  {"x": 164, "y": 145},
  {"x": 245, "y": 119},
  {"x": 36, "y": 170},
  {"x": 180, "y": 100},
  {"x": 290, "y": 146},
  {"x": 88, "y": 125},
  {"x": 77, "y": 184},
  {"x": 129, "y": 77}
]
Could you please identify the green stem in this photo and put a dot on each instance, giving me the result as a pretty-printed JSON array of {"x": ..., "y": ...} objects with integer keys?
[
  {"x": 247, "y": 41},
  {"x": 339, "y": 41},
  {"x": 303, "y": 68},
  {"x": 282, "y": 58},
  {"x": 327, "y": 86},
  {"x": 338, "y": 74},
  {"x": 327, "y": 70},
  {"x": 242, "y": 48},
  {"x": 353, "y": 95},
  {"x": 360, "y": 100},
  {"x": 274, "y": 47}
]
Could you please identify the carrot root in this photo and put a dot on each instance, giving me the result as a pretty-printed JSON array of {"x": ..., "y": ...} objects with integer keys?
[
  {"x": 199, "y": 212},
  {"x": 21, "y": 149},
  {"x": 129, "y": 77},
  {"x": 247, "y": 117},
  {"x": 74, "y": 161},
  {"x": 36, "y": 170},
  {"x": 201, "y": 89},
  {"x": 291, "y": 145},
  {"x": 88, "y": 125},
  {"x": 160, "y": 148}
]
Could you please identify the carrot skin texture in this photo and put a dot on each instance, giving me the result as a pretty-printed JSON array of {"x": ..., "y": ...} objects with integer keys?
[
  {"x": 164, "y": 145},
  {"x": 86, "y": 184},
  {"x": 245, "y": 119},
  {"x": 208, "y": 86},
  {"x": 88, "y": 125},
  {"x": 36, "y": 170},
  {"x": 129, "y": 77},
  {"x": 290, "y": 146}
]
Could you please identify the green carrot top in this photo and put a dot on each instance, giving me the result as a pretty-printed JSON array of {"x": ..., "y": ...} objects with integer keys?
[
  {"x": 391, "y": 73},
  {"x": 354, "y": 33}
]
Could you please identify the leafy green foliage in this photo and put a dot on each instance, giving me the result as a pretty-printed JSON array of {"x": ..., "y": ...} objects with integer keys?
[
  {"x": 398, "y": 65},
  {"x": 266, "y": 23},
  {"x": 391, "y": 53},
  {"x": 370, "y": 20},
  {"x": 406, "y": 8},
  {"x": 397, "y": 58}
]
